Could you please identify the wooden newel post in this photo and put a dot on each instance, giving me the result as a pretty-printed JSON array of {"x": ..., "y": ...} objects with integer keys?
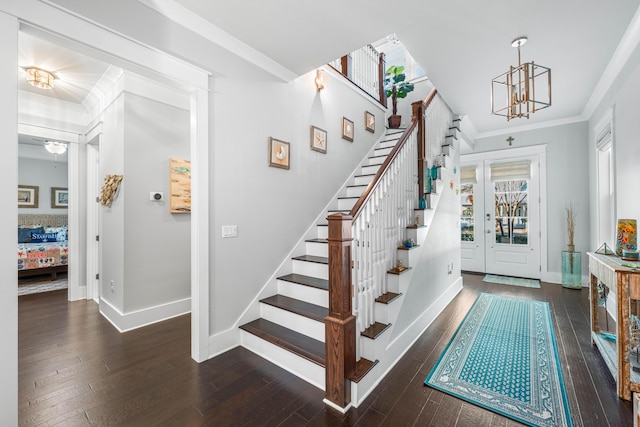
[
  {"x": 340, "y": 332},
  {"x": 418, "y": 108},
  {"x": 381, "y": 75}
]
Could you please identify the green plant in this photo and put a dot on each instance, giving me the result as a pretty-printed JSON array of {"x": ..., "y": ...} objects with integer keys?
[{"x": 396, "y": 86}]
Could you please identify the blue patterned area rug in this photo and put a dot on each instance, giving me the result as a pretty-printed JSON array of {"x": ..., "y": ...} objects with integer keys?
[
  {"x": 514, "y": 281},
  {"x": 504, "y": 358}
]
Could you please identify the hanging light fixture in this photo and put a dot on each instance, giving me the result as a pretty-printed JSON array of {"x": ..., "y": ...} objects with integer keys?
[
  {"x": 40, "y": 78},
  {"x": 525, "y": 88},
  {"x": 55, "y": 147}
]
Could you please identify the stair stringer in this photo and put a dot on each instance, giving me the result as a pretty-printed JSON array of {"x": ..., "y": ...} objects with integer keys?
[
  {"x": 226, "y": 340},
  {"x": 388, "y": 348}
]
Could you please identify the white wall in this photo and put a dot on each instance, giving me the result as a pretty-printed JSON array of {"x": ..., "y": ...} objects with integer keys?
[
  {"x": 622, "y": 97},
  {"x": 272, "y": 207},
  {"x": 567, "y": 178},
  {"x": 8, "y": 222},
  {"x": 45, "y": 174},
  {"x": 145, "y": 248}
]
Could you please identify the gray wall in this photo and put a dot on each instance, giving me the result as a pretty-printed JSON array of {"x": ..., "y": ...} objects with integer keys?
[
  {"x": 145, "y": 249},
  {"x": 44, "y": 174},
  {"x": 567, "y": 181},
  {"x": 274, "y": 207}
]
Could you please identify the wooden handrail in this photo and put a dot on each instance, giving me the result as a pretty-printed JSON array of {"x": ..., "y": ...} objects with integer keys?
[{"x": 355, "y": 211}]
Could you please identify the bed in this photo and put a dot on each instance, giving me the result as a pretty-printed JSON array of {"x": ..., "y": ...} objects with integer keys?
[{"x": 42, "y": 245}]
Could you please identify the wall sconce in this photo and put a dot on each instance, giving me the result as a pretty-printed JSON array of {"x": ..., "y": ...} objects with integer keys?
[{"x": 319, "y": 80}]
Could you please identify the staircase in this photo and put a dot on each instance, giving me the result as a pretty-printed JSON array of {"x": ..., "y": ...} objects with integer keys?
[{"x": 290, "y": 330}]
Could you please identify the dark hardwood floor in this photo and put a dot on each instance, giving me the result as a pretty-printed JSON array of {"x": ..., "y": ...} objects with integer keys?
[{"x": 75, "y": 369}]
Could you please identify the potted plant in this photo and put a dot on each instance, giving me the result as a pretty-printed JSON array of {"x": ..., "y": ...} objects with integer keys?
[{"x": 396, "y": 87}]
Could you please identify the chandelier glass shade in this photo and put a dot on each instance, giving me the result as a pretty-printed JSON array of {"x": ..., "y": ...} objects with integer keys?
[
  {"x": 55, "y": 147},
  {"x": 40, "y": 78},
  {"x": 522, "y": 90}
]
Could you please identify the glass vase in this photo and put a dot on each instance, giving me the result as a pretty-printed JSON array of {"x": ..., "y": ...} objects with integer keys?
[{"x": 571, "y": 270}]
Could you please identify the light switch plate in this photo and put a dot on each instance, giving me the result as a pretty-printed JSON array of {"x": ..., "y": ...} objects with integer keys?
[{"x": 229, "y": 231}]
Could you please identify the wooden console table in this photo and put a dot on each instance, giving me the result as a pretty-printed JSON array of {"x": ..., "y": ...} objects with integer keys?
[{"x": 624, "y": 286}]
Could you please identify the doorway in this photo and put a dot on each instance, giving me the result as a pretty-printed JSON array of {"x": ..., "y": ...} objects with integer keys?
[{"x": 501, "y": 208}]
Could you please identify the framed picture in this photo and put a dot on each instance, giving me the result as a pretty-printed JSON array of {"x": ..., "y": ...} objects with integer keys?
[
  {"x": 369, "y": 121},
  {"x": 347, "y": 129},
  {"x": 27, "y": 196},
  {"x": 179, "y": 186},
  {"x": 59, "y": 198},
  {"x": 278, "y": 153},
  {"x": 318, "y": 139}
]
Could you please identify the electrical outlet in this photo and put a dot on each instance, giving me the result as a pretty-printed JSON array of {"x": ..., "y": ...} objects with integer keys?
[{"x": 112, "y": 286}]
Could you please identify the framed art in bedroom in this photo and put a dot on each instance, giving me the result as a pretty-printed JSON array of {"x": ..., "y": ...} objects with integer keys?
[
  {"x": 27, "y": 196},
  {"x": 59, "y": 198}
]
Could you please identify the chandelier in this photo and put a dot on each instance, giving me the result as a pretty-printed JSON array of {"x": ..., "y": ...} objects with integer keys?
[
  {"x": 40, "y": 78},
  {"x": 523, "y": 90}
]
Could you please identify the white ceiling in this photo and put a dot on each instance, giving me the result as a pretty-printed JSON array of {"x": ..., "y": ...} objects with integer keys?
[{"x": 461, "y": 44}]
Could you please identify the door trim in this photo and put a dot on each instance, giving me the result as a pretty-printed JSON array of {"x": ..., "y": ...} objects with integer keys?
[{"x": 540, "y": 151}]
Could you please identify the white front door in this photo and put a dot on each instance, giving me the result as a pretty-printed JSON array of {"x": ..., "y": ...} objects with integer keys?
[
  {"x": 500, "y": 212},
  {"x": 512, "y": 227}
]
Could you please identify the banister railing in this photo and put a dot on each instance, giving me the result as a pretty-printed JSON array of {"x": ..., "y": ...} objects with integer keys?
[
  {"x": 363, "y": 244},
  {"x": 365, "y": 68}
]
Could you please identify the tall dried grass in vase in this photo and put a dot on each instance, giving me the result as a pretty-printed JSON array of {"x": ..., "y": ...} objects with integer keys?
[{"x": 571, "y": 227}]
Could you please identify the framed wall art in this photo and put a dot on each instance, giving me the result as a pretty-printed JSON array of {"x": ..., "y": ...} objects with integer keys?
[
  {"x": 347, "y": 129},
  {"x": 369, "y": 121},
  {"x": 59, "y": 198},
  {"x": 179, "y": 186},
  {"x": 278, "y": 154},
  {"x": 318, "y": 139},
  {"x": 27, "y": 196}
]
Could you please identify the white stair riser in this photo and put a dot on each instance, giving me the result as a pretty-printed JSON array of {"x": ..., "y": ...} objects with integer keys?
[
  {"x": 323, "y": 231},
  {"x": 375, "y": 349},
  {"x": 300, "y": 324},
  {"x": 368, "y": 170},
  {"x": 409, "y": 258},
  {"x": 417, "y": 234},
  {"x": 383, "y": 151},
  {"x": 312, "y": 269},
  {"x": 317, "y": 249},
  {"x": 304, "y": 293},
  {"x": 363, "y": 180},
  {"x": 355, "y": 191},
  {"x": 346, "y": 204},
  {"x": 447, "y": 150},
  {"x": 378, "y": 160},
  {"x": 426, "y": 216},
  {"x": 387, "y": 313},
  {"x": 299, "y": 366}
]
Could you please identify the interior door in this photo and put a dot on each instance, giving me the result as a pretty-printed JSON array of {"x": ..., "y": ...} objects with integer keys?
[{"x": 512, "y": 217}]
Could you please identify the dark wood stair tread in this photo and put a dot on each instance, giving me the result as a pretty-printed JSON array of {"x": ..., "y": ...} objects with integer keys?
[
  {"x": 348, "y": 197},
  {"x": 312, "y": 311},
  {"x": 363, "y": 366},
  {"x": 375, "y": 330},
  {"x": 398, "y": 270},
  {"x": 367, "y": 174},
  {"x": 299, "y": 344},
  {"x": 386, "y": 298},
  {"x": 310, "y": 281},
  {"x": 404, "y": 248},
  {"x": 317, "y": 240},
  {"x": 312, "y": 258},
  {"x": 342, "y": 211}
]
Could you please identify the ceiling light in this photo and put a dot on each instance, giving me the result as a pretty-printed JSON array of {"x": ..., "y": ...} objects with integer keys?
[
  {"x": 525, "y": 88},
  {"x": 55, "y": 147},
  {"x": 40, "y": 78}
]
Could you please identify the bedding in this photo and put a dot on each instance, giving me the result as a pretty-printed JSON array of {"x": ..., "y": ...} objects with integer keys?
[{"x": 42, "y": 255}]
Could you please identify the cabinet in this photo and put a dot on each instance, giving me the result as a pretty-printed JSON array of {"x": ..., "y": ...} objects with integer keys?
[{"x": 608, "y": 276}]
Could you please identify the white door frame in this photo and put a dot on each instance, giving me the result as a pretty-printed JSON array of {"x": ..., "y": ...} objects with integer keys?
[
  {"x": 130, "y": 54},
  {"x": 94, "y": 139},
  {"x": 539, "y": 151}
]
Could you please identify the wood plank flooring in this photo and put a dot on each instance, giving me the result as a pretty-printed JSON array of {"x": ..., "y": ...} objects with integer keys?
[{"x": 75, "y": 369}]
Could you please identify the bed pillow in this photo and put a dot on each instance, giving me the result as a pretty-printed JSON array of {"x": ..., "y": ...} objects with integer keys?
[
  {"x": 43, "y": 237},
  {"x": 62, "y": 232},
  {"x": 24, "y": 233}
]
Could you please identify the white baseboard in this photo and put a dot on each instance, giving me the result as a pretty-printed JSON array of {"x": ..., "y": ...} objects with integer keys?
[
  {"x": 76, "y": 293},
  {"x": 224, "y": 341},
  {"x": 124, "y": 322}
]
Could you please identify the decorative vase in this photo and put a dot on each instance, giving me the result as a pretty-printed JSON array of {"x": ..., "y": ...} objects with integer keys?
[
  {"x": 394, "y": 121},
  {"x": 422, "y": 204},
  {"x": 626, "y": 236},
  {"x": 571, "y": 270}
]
